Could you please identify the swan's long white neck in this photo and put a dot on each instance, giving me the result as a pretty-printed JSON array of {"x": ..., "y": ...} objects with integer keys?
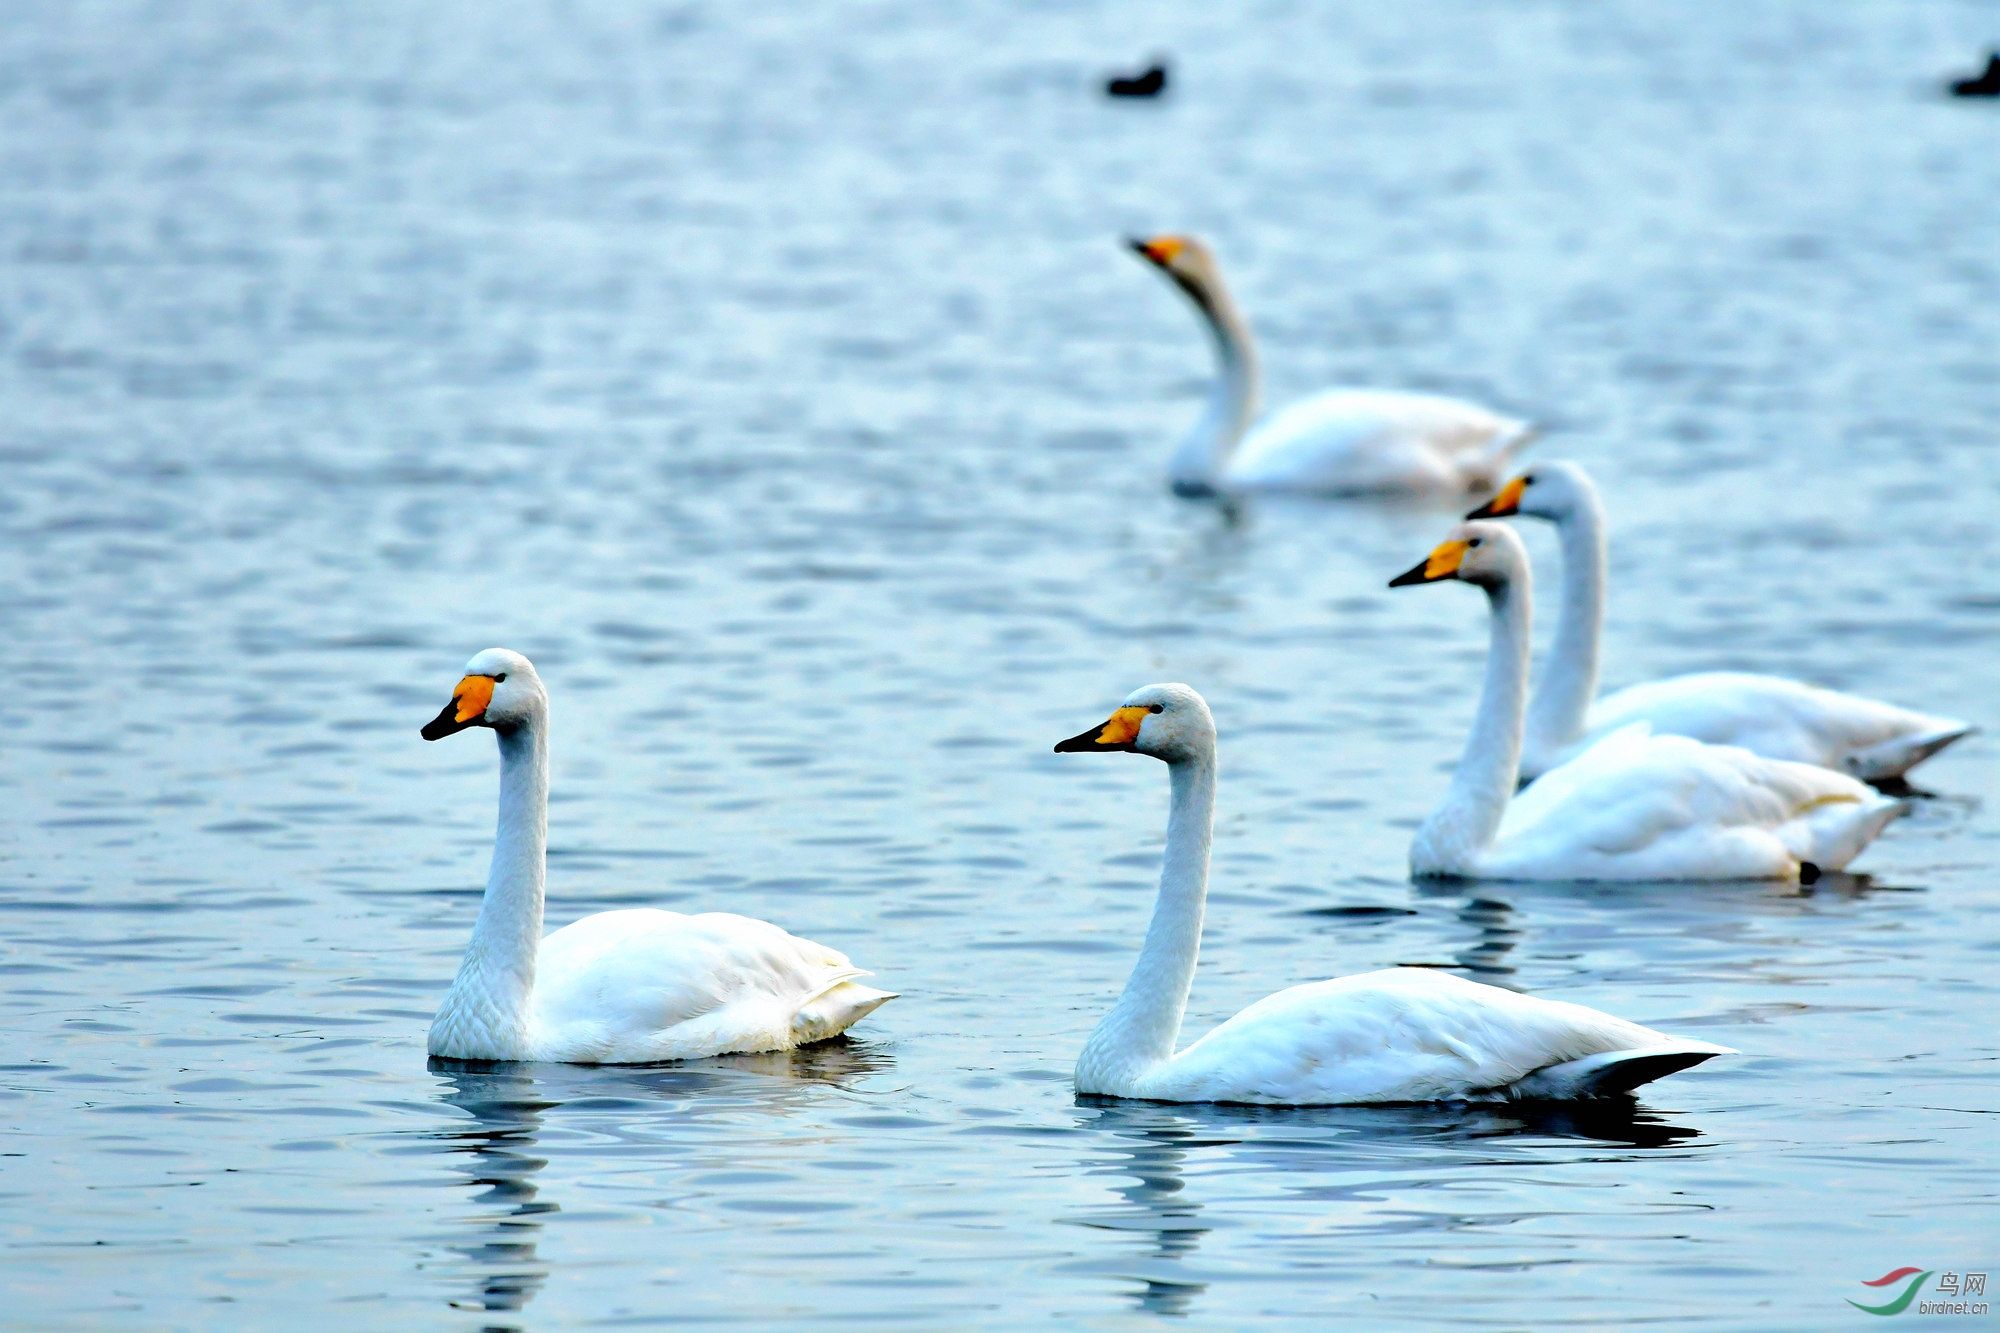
[
  {"x": 491, "y": 996},
  {"x": 1450, "y": 840},
  {"x": 1569, "y": 681},
  {"x": 1141, "y": 1028},
  {"x": 1232, "y": 405}
]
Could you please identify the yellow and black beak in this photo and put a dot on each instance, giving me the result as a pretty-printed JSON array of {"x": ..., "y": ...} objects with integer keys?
[
  {"x": 1116, "y": 734},
  {"x": 1442, "y": 563},
  {"x": 1504, "y": 505},
  {"x": 1159, "y": 251},
  {"x": 466, "y": 709}
]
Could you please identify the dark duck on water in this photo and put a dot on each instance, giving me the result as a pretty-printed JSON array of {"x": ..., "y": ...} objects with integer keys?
[
  {"x": 1986, "y": 84},
  {"x": 1149, "y": 84}
]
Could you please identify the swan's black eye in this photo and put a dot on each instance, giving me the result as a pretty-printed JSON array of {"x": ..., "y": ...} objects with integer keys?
[
  {"x": 1475, "y": 541},
  {"x": 1157, "y": 708},
  {"x": 497, "y": 679},
  {"x": 1527, "y": 481}
]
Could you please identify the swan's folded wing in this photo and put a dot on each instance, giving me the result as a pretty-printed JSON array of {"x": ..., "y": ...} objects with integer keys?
[
  {"x": 1827, "y": 817},
  {"x": 1633, "y": 788},
  {"x": 1405, "y": 1034},
  {"x": 1771, "y": 716},
  {"x": 1636, "y": 805},
  {"x": 715, "y": 979},
  {"x": 1640, "y": 806},
  {"x": 1328, "y": 440},
  {"x": 1584, "y": 772},
  {"x": 1781, "y": 719},
  {"x": 1370, "y": 439}
]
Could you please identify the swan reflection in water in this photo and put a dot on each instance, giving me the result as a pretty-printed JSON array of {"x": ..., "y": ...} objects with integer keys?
[
  {"x": 1499, "y": 915},
  {"x": 1313, "y": 1147},
  {"x": 1152, "y": 1141},
  {"x": 506, "y": 1109},
  {"x": 507, "y": 1102}
]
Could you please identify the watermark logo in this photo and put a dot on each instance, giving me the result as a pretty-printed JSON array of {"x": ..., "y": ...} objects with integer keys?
[{"x": 1950, "y": 1284}]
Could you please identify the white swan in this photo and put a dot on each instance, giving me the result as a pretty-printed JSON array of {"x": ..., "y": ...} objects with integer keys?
[
  {"x": 1778, "y": 718},
  {"x": 626, "y": 987},
  {"x": 1340, "y": 441},
  {"x": 1633, "y": 806},
  {"x": 1401, "y": 1035}
]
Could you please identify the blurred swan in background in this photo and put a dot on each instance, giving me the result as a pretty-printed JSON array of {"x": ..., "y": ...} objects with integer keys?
[
  {"x": 1399, "y": 1035},
  {"x": 1633, "y": 806},
  {"x": 624, "y": 987},
  {"x": 1340, "y": 441},
  {"x": 1775, "y": 717}
]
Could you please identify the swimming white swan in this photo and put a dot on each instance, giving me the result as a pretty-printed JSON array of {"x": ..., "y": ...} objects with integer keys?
[
  {"x": 1401, "y": 1035},
  {"x": 1633, "y": 806},
  {"x": 1340, "y": 441},
  {"x": 1778, "y": 718},
  {"x": 625, "y": 987}
]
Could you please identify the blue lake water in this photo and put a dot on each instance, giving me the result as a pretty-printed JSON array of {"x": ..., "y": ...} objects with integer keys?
[{"x": 773, "y": 377}]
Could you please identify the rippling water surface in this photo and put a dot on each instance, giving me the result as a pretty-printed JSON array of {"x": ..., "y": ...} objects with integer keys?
[{"x": 772, "y": 376}]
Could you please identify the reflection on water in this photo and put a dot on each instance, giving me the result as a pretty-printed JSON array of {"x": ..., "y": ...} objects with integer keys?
[
  {"x": 1497, "y": 938},
  {"x": 1330, "y": 1152},
  {"x": 836, "y": 1062},
  {"x": 1157, "y": 1154},
  {"x": 1151, "y": 1143},
  {"x": 1499, "y": 914},
  {"x": 509, "y": 1103},
  {"x": 498, "y": 1163}
]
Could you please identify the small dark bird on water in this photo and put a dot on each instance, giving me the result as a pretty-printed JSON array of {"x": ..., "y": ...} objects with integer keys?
[
  {"x": 1150, "y": 84},
  {"x": 1986, "y": 85}
]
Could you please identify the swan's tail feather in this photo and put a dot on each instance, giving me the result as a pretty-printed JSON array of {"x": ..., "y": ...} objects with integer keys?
[
  {"x": 1839, "y": 830},
  {"x": 835, "y": 1009},
  {"x": 1899, "y": 754},
  {"x": 1613, "y": 1072}
]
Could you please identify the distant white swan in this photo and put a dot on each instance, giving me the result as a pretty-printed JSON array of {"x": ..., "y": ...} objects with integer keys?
[
  {"x": 1778, "y": 718},
  {"x": 625, "y": 987},
  {"x": 1633, "y": 806},
  {"x": 1340, "y": 441},
  {"x": 1400, "y": 1035}
]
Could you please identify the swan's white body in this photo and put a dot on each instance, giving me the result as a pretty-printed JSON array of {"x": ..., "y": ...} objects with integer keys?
[
  {"x": 1341, "y": 441},
  {"x": 1784, "y": 719},
  {"x": 1635, "y": 806},
  {"x": 1772, "y": 716},
  {"x": 624, "y": 987},
  {"x": 1400, "y": 1035}
]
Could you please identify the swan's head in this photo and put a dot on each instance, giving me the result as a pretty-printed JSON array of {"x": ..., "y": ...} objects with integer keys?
[
  {"x": 1486, "y": 553},
  {"x": 1548, "y": 490},
  {"x": 1187, "y": 261},
  {"x": 1169, "y": 722},
  {"x": 500, "y": 690}
]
